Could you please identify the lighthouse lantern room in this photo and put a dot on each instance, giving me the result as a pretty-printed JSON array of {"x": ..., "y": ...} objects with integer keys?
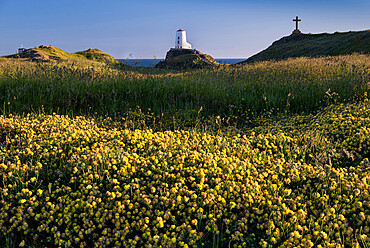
[{"x": 181, "y": 42}]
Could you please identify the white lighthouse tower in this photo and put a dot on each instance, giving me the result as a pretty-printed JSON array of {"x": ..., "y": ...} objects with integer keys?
[{"x": 180, "y": 42}]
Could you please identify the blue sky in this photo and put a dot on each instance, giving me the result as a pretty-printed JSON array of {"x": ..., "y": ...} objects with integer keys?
[{"x": 143, "y": 28}]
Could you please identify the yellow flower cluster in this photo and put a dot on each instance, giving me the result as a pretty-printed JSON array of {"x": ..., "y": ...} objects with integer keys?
[{"x": 76, "y": 182}]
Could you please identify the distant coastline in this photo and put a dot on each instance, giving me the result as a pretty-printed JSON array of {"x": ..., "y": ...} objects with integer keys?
[{"x": 153, "y": 62}]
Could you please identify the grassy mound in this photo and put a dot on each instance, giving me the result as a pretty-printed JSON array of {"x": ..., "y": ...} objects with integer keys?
[
  {"x": 56, "y": 53},
  {"x": 97, "y": 55},
  {"x": 46, "y": 53},
  {"x": 313, "y": 45}
]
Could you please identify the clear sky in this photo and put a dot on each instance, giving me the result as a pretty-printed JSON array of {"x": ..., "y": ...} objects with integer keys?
[{"x": 146, "y": 28}]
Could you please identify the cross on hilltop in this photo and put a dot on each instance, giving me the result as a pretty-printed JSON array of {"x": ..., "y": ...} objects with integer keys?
[{"x": 296, "y": 20}]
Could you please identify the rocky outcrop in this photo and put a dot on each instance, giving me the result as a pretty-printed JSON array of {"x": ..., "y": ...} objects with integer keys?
[
  {"x": 33, "y": 55},
  {"x": 37, "y": 55},
  {"x": 174, "y": 52},
  {"x": 179, "y": 59}
]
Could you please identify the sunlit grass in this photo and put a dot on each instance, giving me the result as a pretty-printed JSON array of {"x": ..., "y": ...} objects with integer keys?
[{"x": 290, "y": 86}]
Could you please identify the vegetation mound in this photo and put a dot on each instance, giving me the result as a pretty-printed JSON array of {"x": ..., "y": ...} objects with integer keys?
[
  {"x": 180, "y": 59},
  {"x": 314, "y": 45},
  {"x": 45, "y": 53},
  {"x": 51, "y": 52},
  {"x": 97, "y": 55}
]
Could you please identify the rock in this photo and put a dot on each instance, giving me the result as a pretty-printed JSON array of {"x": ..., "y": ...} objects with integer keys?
[
  {"x": 173, "y": 52},
  {"x": 179, "y": 59},
  {"x": 33, "y": 55}
]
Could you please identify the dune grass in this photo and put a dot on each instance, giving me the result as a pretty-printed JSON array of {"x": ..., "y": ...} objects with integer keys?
[{"x": 291, "y": 86}]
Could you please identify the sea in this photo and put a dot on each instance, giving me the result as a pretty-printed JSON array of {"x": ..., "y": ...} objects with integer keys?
[{"x": 153, "y": 62}]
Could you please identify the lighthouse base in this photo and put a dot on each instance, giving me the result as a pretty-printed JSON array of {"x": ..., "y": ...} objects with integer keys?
[
  {"x": 174, "y": 52},
  {"x": 180, "y": 59}
]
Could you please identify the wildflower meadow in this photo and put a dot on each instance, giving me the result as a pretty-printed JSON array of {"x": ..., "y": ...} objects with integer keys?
[{"x": 272, "y": 154}]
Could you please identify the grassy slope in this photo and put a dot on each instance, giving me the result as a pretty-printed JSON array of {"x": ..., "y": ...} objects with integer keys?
[
  {"x": 56, "y": 53},
  {"x": 313, "y": 45},
  {"x": 97, "y": 55}
]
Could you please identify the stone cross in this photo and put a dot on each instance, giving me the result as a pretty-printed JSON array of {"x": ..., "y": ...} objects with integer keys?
[{"x": 296, "y": 20}]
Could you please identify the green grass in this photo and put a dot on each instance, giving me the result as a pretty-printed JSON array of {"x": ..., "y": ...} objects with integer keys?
[
  {"x": 314, "y": 45},
  {"x": 56, "y": 52},
  {"x": 97, "y": 55},
  {"x": 291, "y": 86}
]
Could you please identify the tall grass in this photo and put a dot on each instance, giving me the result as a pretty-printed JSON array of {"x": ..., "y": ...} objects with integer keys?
[{"x": 293, "y": 85}]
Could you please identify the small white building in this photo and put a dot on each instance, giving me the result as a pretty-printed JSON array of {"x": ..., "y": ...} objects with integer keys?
[
  {"x": 21, "y": 49},
  {"x": 180, "y": 41}
]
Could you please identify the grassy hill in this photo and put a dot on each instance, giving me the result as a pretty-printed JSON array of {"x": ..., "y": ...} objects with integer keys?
[
  {"x": 43, "y": 53},
  {"x": 314, "y": 45},
  {"x": 97, "y": 55}
]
